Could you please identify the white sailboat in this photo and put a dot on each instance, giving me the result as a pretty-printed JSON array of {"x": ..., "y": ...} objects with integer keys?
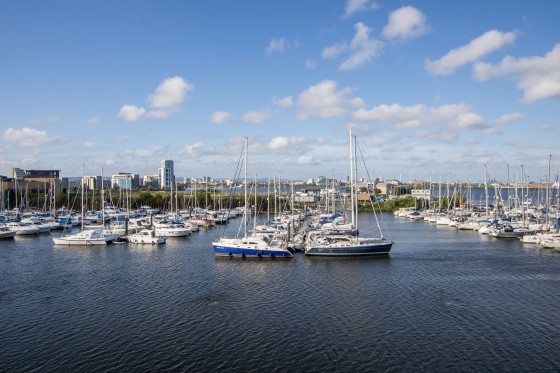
[
  {"x": 86, "y": 237},
  {"x": 250, "y": 246}
]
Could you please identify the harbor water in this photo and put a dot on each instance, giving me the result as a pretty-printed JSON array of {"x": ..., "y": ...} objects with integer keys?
[{"x": 445, "y": 300}]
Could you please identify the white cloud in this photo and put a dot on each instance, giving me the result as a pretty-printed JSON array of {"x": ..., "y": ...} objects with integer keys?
[
  {"x": 488, "y": 42},
  {"x": 305, "y": 160},
  {"x": 467, "y": 121},
  {"x": 165, "y": 100},
  {"x": 131, "y": 113},
  {"x": 376, "y": 141},
  {"x": 547, "y": 127},
  {"x": 284, "y": 143},
  {"x": 355, "y": 6},
  {"x": 283, "y": 102},
  {"x": 256, "y": 116},
  {"x": 324, "y": 101},
  {"x": 194, "y": 150},
  {"x": 28, "y": 137},
  {"x": 170, "y": 93},
  {"x": 404, "y": 23},
  {"x": 362, "y": 49},
  {"x": 512, "y": 117},
  {"x": 456, "y": 116},
  {"x": 220, "y": 116},
  {"x": 276, "y": 45},
  {"x": 490, "y": 131},
  {"x": 538, "y": 77}
]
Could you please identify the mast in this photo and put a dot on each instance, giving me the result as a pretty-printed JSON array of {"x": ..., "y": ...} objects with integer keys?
[
  {"x": 82, "y": 197},
  {"x": 102, "y": 200},
  {"x": 245, "y": 172},
  {"x": 547, "y": 204},
  {"x": 353, "y": 177},
  {"x": 255, "y": 221},
  {"x": 486, "y": 190}
]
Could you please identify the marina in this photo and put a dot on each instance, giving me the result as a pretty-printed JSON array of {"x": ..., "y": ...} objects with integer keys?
[{"x": 445, "y": 299}]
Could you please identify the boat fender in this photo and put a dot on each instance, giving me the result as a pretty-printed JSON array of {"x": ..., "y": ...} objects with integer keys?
[{"x": 243, "y": 256}]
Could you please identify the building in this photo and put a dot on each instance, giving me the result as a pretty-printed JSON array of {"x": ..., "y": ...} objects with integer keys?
[
  {"x": 90, "y": 182},
  {"x": 166, "y": 174},
  {"x": 19, "y": 174},
  {"x": 36, "y": 179},
  {"x": 150, "y": 181},
  {"x": 122, "y": 180}
]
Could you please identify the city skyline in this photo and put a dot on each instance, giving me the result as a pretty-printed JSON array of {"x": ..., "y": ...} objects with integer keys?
[{"x": 431, "y": 89}]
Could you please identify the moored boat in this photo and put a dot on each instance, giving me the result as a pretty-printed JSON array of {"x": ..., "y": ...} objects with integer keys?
[
  {"x": 86, "y": 237},
  {"x": 147, "y": 236}
]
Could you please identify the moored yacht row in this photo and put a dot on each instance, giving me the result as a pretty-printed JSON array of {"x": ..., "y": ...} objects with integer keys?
[{"x": 529, "y": 229}]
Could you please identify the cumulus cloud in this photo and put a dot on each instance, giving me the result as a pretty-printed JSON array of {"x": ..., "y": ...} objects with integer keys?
[
  {"x": 28, "y": 137},
  {"x": 276, "y": 46},
  {"x": 488, "y": 42},
  {"x": 165, "y": 101},
  {"x": 362, "y": 48},
  {"x": 283, "y": 102},
  {"x": 455, "y": 116},
  {"x": 355, "y": 6},
  {"x": 324, "y": 101},
  {"x": 170, "y": 93},
  {"x": 256, "y": 116},
  {"x": 305, "y": 160},
  {"x": 538, "y": 77},
  {"x": 405, "y": 23},
  {"x": 220, "y": 116},
  {"x": 509, "y": 118},
  {"x": 131, "y": 113},
  {"x": 284, "y": 143},
  {"x": 194, "y": 150}
]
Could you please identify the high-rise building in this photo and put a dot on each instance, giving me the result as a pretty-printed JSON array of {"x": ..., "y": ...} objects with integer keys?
[{"x": 166, "y": 174}]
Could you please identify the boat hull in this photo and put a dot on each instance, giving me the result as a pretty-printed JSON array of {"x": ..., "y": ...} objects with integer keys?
[
  {"x": 377, "y": 249},
  {"x": 247, "y": 252},
  {"x": 84, "y": 242}
]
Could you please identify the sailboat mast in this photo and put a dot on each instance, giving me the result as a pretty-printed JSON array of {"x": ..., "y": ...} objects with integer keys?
[
  {"x": 102, "y": 200},
  {"x": 82, "y": 197},
  {"x": 352, "y": 186},
  {"x": 246, "y": 202},
  {"x": 547, "y": 204}
]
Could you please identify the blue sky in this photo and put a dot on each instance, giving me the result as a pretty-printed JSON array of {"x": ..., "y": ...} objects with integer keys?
[{"x": 431, "y": 88}]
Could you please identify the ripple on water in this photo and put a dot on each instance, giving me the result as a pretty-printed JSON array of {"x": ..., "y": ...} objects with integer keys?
[{"x": 444, "y": 301}]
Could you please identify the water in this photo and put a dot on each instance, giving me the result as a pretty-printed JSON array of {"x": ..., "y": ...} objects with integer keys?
[{"x": 445, "y": 300}]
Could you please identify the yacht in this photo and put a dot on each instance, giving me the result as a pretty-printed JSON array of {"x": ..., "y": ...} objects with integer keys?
[
  {"x": 87, "y": 237},
  {"x": 148, "y": 236}
]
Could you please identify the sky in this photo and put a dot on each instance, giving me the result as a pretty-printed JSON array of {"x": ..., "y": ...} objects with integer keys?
[{"x": 431, "y": 89}]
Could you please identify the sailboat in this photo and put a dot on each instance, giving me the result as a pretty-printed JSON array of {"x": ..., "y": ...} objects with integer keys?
[
  {"x": 321, "y": 244},
  {"x": 249, "y": 246},
  {"x": 87, "y": 237}
]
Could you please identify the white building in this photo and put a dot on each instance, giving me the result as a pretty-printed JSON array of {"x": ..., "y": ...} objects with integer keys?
[
  {"x": 122, "y": 180},
  {"x": 166, "y": 174}
]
